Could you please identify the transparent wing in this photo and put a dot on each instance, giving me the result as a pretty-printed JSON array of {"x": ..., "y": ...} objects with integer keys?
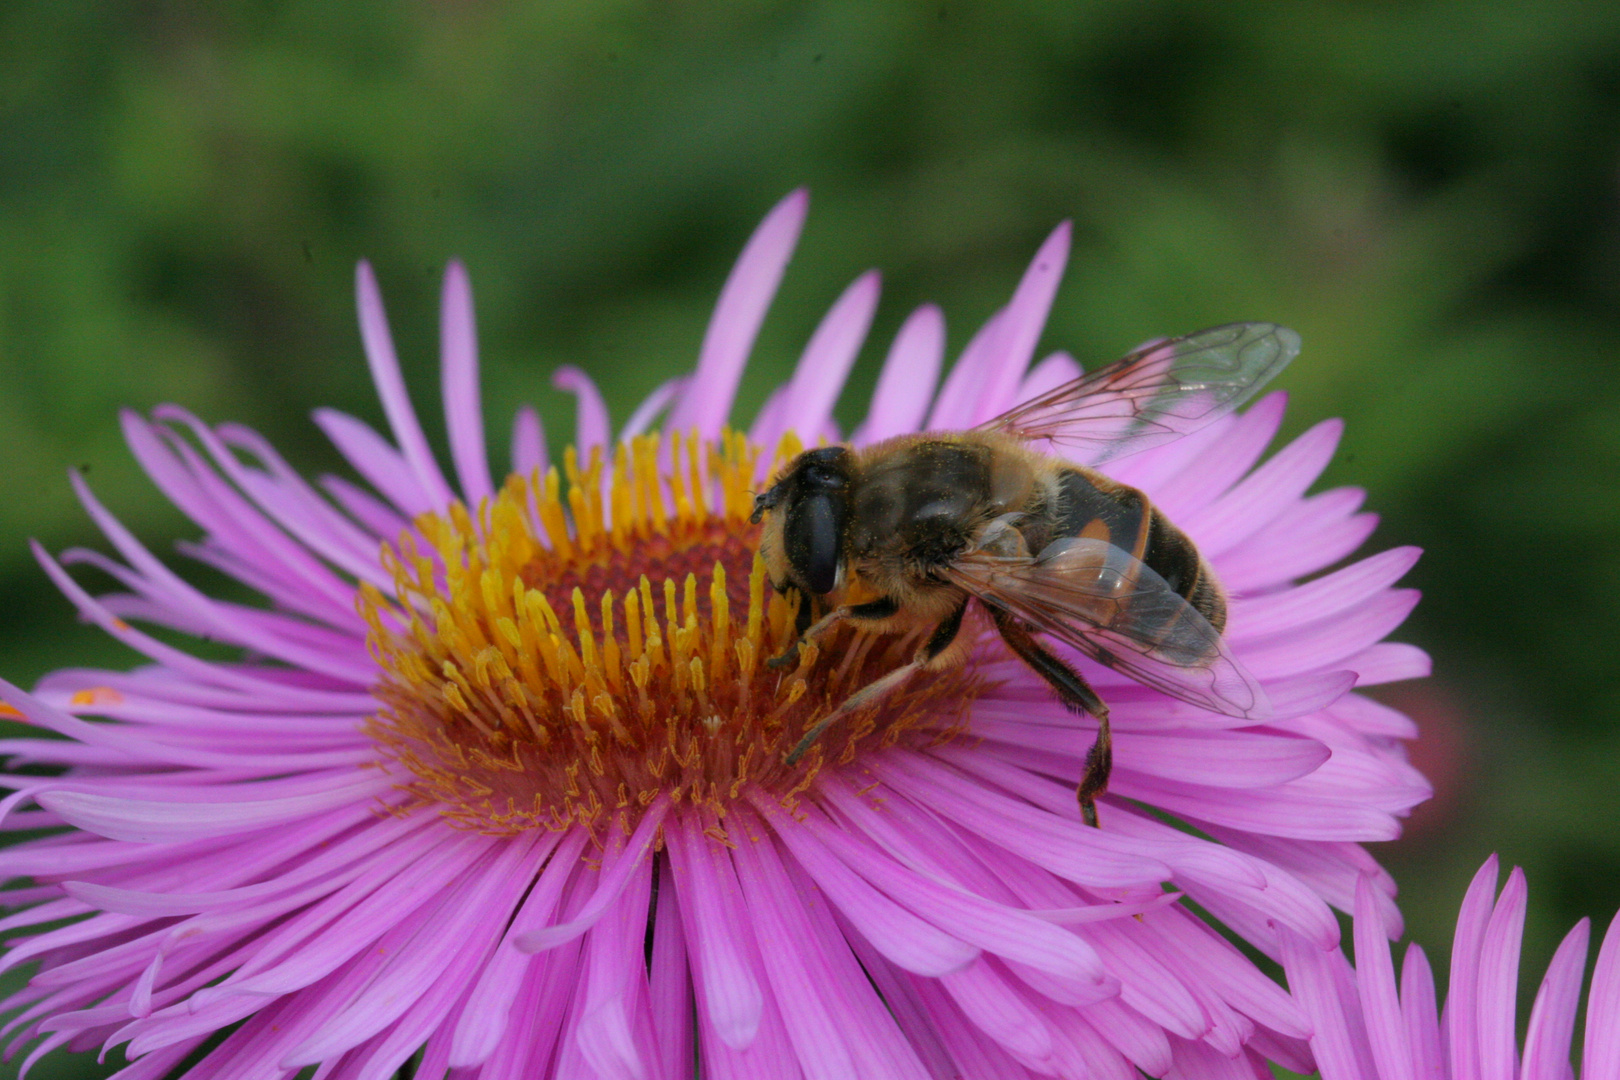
[
  {"x": 1110, "y": 606},
  {"x": 1156, "y": 394}
]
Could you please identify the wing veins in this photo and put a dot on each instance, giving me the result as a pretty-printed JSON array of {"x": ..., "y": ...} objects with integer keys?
[{"x": 1156, "y": 394}]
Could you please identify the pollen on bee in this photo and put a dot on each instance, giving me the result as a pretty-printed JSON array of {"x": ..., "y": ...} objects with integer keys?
[{"x": 590, "y": 638}]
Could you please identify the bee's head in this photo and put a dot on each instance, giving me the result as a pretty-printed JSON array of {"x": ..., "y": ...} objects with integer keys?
[{"x": 805, "y": 514}]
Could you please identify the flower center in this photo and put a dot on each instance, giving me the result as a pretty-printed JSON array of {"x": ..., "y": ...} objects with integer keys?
[{"x": 568, "y": 656}]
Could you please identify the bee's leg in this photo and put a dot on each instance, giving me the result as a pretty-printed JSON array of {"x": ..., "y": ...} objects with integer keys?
[
  {"x": 807, "y": 632},
  {"x": 1077, "y": 695},
  {"x": 940, "y": 640},
  {"x": 880, "y": 608},
  {"x": 806, "y": 613}
]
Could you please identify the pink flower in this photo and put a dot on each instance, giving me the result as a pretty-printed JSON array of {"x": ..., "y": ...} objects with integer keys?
[
  {"x": 1366, "y": 1030},
  {"x": 506, "y": 785}
]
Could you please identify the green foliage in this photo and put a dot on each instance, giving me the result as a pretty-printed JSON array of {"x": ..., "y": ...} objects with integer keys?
[{"x": 1427, "y": 191}]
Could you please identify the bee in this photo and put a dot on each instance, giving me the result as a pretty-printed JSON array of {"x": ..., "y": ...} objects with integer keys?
[{"x": 903, "y": 535}]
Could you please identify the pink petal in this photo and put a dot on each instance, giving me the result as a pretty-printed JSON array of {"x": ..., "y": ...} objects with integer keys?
[
  {"x": 1423, "y": 1031},
  {"x": 232, "y": 522},
  {"x": 490, "y": 1005},
  {"x": 591, "y": 428},
  {"x": 378, "y": 518},
  {"x": 1149, "y": 985},
  {"x": 1226, "y": 971},
  {"x": 1090, "y": 857},
  {"x": 1328, "y": 643},
  {"x": 772, "y": 417},
  {"x": 1314, "y": 533},
  {"x": 1049, "y": 374},
  {"x": 877, "y": 1041},
  {"x": 1145, "y": 1043},
  {"x": 170, "y": 590},
  {"x": 463, "y": 943},
  {"x": 1301, "y": 695},
  {"x": 655, "y": 403},
  {"x": 825, "y": 362},
  {"x": 1256, "y": 499},
  {"x": 528, "y": 442},
  {"x": 813, "y": 1027},
  {"x": 463, "y": 408},
  {"x": 1196, "y": 1061},
  {"x": 905, "y": 1006},
  {"x": 339, "y": 857},
  {"x": 1255, "y": 617},
  {"x": 906, "y": 940},
  {"x": 379, "y": 347},
  {"x": 156, "y": 822},
  {"x": 1463, "y": 994},
  {"x": 128, "y": 744},
  {"x": 1162, "y": 464},
  {"x": 1367, "y": 717},
  {"x": 159, "y": 1064},
  {"x": 545, "y": 996},
  {"x": 728, "y": 987},
  {"x": 620, "y": 865},
  {"x": 383, "y": 467},
  {"x": 1552, "y": 1018},
  {"x": 1334, "y": 871},
  {"x": 291, "y": 500},
  {"x": 1083, "y": 1051},
  {"x": 737, "y": 316},
  {"x": 1339, "y": 1042},
  {"x": 996, "y": 1007},
  {"x": 910, "y": 373},
  {"x": 1020, "y": 327},
  {"x": 615, "y": 990},
  {"x": 1389, "y": 661},
  {"x": 1375, "y": 978},
  {"x": 1007, "y": 931},
  {"x": 1601, "y": 1057},
  {"x": 321, "y": 937},
  {"x": 955, "y": 405},
  {"x": 1224, "y": 463},
  {"x": 1221, "y": 759},
  {"x": 1499, "y": 982},
  {"x": 976, "y": 1054},
  {"x": 670, "y": 989}
]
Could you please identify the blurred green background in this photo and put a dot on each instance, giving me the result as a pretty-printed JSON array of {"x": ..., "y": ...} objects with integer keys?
[{"x": 1428, "y": 192}]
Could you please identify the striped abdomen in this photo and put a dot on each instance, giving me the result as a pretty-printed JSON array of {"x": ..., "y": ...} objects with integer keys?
[{"x": 1089, "y": 505}]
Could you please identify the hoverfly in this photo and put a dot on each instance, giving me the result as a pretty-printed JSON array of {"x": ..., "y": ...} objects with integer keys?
[{"x": 904, "y": 534}]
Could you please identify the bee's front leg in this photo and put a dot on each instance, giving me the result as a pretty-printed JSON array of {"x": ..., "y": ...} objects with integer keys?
[
  {"x": 872, "y": 610},
  {"x": 933, "y": 651}
]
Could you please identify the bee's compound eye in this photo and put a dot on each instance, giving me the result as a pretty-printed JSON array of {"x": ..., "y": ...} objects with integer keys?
[{"x": 813, "y": 536}]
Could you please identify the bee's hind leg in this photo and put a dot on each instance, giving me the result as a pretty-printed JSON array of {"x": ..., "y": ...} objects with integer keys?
[
  {"x": 1077, "y": 695},
  {"x": 940, "y": 640}
]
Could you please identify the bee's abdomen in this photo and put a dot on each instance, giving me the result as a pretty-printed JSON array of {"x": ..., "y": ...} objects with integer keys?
[
  {"x": 1092, "y": 506},
  {"x": 1172, "y": 556}
]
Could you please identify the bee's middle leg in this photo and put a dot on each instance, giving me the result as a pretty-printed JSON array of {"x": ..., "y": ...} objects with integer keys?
[
  {"x": 938, "y": 642},
  {"x": 1075, "y": 693}
]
